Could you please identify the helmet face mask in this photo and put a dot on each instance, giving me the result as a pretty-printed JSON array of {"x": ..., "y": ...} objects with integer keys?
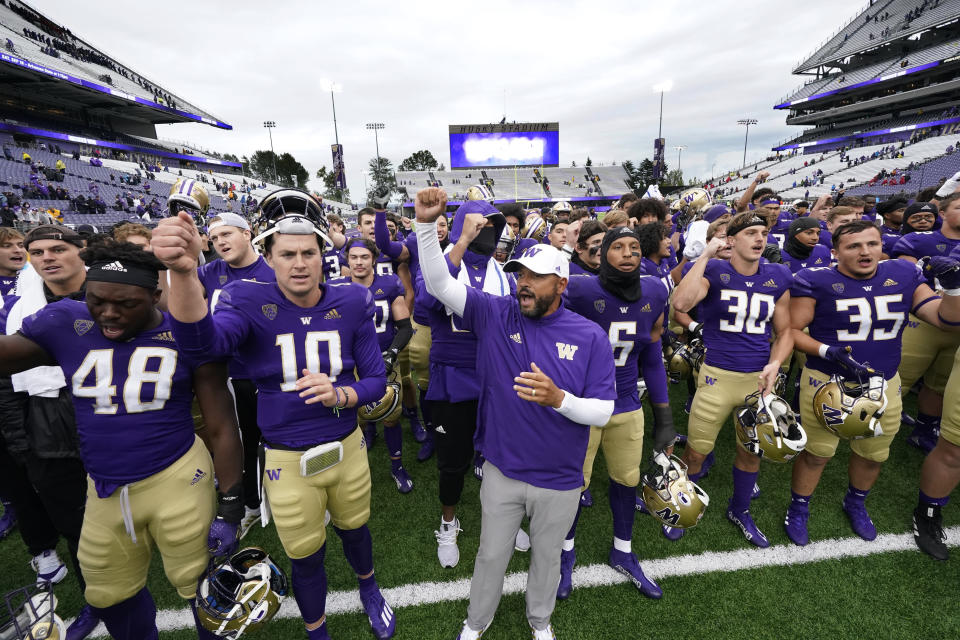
[
  {"x": 505, "y": 245},
  {"x": 291, "y": 211},
  {"x": 240, "y": 594},
  {"x": 670, "y": 495},
  {"x": 851, "y": 407},
  {"x": 188, "y": 195},
  {"x": 767, "y": 427},
  {"x": 29, "y": 613}
]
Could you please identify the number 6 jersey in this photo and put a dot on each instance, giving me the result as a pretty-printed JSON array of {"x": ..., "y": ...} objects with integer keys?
[
  {"x": 132, "y": 399},
  {"x": 867, "y": 315}
]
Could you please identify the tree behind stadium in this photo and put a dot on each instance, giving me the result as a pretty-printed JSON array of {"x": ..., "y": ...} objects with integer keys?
[{"x": 261, "y": 167}]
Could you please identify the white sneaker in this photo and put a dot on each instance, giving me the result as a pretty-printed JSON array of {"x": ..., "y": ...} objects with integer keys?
[
  {"x": 543, "y": 634},
  {"x": 523, "y": 541},
  {"x": 447, "y": 551},
  {"x": 48, "y": 566},
  {"x": 466, "y": 633},
  {"x": 250, "y": 518}
]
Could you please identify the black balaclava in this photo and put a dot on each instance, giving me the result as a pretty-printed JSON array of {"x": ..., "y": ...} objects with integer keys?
[
  {"x": 793, "y": 246},
  {"x": 623, "y": 284}
]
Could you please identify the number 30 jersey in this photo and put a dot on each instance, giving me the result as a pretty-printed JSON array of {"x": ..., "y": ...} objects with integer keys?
[
  {"x": 868, "y": 315},
  {"x": 737, "y": 314},
  {"x": 277, "y": 340},
  {"x": 132, "y": 399}
]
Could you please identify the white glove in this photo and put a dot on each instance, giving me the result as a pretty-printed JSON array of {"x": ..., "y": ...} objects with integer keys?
[
  {"x": 693, "y": 250},
  {"x": 949, "y": 186},
  {"x": 696, "y": 239}
]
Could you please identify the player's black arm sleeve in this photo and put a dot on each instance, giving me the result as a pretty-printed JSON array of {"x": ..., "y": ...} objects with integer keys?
[
  {"x": 402, "y": 336},
  {"x": 220, "y": 418},
  {"x": 13, "y": 407},
  {"x": 19, "y": 353}
]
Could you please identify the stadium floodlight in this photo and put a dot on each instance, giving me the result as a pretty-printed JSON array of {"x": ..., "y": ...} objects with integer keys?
[
  {"x": 376, "y": 126},
  {"x": 679, "y": 148},
  {"x": 746, "y": 122},
  {"x": 270, "y": 124},
  {"x": 331, "y": 86},
  {"x": 662, "y": 87}
]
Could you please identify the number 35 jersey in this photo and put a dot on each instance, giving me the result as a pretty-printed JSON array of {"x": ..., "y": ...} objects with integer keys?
[
  {"x": 737, "y": 314},
  {"x": 868, "y": 315},
  {"x": 132, "y": 399}
]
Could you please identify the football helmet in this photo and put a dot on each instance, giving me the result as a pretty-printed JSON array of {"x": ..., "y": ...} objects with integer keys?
[
  {"x": 29, "y": 613},
  {"x": 479, "y": 192},
  {"x": 506, "y": 245},
  {"x": 768, "y": 428},
  {"x": 240, "y": 594},
  {"x": 670, "y": 495},
  {"x": 692, "y": 200},
  {"x": 534, "y": 227},
  {"x": 851, "y": 407},
  {"x": 188, "y": 195},
  {"x": 686, "y": 359},
  {"x": 387, "y": 408},
  {"x": 291, "y": 211},
  {"x": 563, "y": 205}
]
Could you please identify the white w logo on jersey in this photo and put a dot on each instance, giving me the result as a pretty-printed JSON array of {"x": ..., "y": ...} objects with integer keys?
[
  {"x": 305, "y": 319},
  {"x": 565, "y": 351}
]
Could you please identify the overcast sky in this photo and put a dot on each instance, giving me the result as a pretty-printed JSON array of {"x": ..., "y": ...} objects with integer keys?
[{"x": 420, "y": 66}]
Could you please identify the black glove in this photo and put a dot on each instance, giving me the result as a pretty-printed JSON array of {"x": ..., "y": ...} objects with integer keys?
[
  {"x": 389, "y": 359},
  {"x": 841, "y": 355},
  {"x": 772, "y": 253},
  {"x": 944, "y": 269},
  {"x": 664, "y": 435}
]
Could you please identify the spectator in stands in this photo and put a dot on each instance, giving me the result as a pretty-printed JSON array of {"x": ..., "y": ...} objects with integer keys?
[
  {"x": 26, "y": 158},
  {"x": 60, "y": 166}
]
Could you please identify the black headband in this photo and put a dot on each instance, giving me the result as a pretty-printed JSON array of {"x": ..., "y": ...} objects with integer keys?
[
  {"x": 123, "y": 273},
  {"x": 734, "y": 229}
]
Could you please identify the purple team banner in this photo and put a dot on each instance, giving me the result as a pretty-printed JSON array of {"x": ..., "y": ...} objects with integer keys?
[
  {"x": 338, "y": 169},
  {"x": 66, "y": 77}
]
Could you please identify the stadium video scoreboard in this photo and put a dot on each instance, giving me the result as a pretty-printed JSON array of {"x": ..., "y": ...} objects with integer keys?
[{"x": 482, "y": 146}]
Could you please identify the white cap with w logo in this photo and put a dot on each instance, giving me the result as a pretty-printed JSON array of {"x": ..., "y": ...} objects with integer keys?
[{"x": 542, "y": 259}]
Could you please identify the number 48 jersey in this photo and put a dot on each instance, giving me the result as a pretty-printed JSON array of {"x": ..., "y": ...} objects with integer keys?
[
  {"x": 132, "y": 399},
  {"x": 868, "y": 315},
  {"x": 737, "y": 313}
]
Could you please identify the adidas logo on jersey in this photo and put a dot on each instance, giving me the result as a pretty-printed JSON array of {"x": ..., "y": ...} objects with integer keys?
[
  {"x": 333, "y": 314},
  {"x": 378, "y": 292},
  {"x": 645, "y": 307},
  {"x": 889, "y": 282},
  {"x": 516, "y": 338},
  {"x": 164, "y": 336},
  {"x": 770, "y": 283},
  {"x": 114, "y": 266}
]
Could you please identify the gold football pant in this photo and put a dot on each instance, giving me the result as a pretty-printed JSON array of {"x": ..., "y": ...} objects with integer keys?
[
  {"x": 622, "y": 442},
  {"x": 172, "y": 508},
  {"x": 298, "y": 504},
  {"x": 419, "y": 348},
  {"x": 927, "y": 353},
  {"x": 823, "y": 443},
  {"x": 950, "y": 423},
  {"x": 718, "y": 392}
]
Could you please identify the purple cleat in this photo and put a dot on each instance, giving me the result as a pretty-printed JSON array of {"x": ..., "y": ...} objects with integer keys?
[
  {"x": 750, "y": 530},
  {"x": 567, "y": 560},
  {"x": 860, "y": 520},
  {"x": 628, "y": 565}
]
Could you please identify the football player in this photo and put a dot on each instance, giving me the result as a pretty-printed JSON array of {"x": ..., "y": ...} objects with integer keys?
[
  {"x": 332, "y": 268},
  {"x": 629, "y": 307},
  {"x": 928, "y": 351},
  {"x": 150, "y": 478},
  {"x": 392, "y": 322},
  {"x": 313, "y": 355},
  {"x": 586, "y": 257},
  {"x": 454, "y": 383},
  {"x": 532, "y": 425},
  {"x": 855, "y": 312},
  {"x": 230, "y": 235},
  {"x": 739, "y": 301},
  {"x": 13, "y": 258},
  {"x": 891, "y": 211},
  {"x": 802, "y": 248}
]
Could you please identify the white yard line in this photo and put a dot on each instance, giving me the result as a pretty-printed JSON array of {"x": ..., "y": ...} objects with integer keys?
[{"x": 600, "y": 575}]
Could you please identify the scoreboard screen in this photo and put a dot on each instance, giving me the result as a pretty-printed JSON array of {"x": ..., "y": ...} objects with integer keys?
[{"x": 504, "y": 145}]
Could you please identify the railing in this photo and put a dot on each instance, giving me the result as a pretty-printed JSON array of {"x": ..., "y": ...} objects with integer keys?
[{"x": 836, "y": 33}]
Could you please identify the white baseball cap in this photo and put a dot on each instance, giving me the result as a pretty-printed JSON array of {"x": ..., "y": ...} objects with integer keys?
[
  {"x": 542, "y": 259},
  {"x": 229, "y": 219}
]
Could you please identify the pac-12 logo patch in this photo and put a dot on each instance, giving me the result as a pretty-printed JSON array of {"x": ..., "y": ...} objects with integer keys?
[
  {"x": 725, "y": 278},
  {"x": 223, "y": 280},
  {"x": 838, "y": 287},
  {"x": 600, "y": 305},
  {"x": 82, "y": 326},
  {"x": 269, "y": 310}
]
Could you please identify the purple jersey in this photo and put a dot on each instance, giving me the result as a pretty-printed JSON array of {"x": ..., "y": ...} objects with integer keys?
[
  {"x": 924, "y": 244},
  {"x": 523, "y": 244},
  {"x": 659, "y": 271},
  {"x": 737, "y": 311},
  {"x": 819, "y": 257},
  {"x": 278, "y": 339},
  {"x": 890, "y": 240},
  {"x": 867, "y": 315},
  {"x": 385, "y": 290},
  {"x": 525, "y": 441},
  {"x": 384, "y": 266},
  {"x": 627, "y": 324},
  {"x": 7, "y": 285},
  {"x": 331, "y": 265},
  {"x": 132, "y": 400}
]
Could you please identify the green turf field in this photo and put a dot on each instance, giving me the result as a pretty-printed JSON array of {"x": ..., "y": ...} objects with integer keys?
[{"x": 891, "y": 595}]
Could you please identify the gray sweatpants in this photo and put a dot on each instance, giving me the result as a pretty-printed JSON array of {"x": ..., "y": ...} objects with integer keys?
[{"x": 504, "y": 502}]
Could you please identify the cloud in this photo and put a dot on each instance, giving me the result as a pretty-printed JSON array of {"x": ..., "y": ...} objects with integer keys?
[{"x": 420, "y": 66}]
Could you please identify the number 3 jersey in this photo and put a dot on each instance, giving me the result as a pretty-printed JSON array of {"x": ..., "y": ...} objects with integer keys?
[
  {"x": 132, "y": 399},
  {"x": 737, "y": 313},
  {"x": 277, "y": 340},
  {"x": 867, "y": 315}
]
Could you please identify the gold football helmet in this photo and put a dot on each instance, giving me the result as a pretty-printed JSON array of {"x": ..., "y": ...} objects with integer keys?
[
  {"x": 692, "y": 200},
  {"x": 506, "y": 245},
  {"x": 563, "y": 205},
  {"x": 240, "y": 594},
  {"x": 534, "y": 227},
  {"x": 188, "y": 195},
  {"x": 387, "y": 408},
  {"x": 29, "y": 613},
  {"x": 479, "y": 192},
  {"x": 686, "y": 359},
  {"x": 670, "y": 495},
  {"x": 768, "y": 428},
  {"x": 851, "y": 408}
]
